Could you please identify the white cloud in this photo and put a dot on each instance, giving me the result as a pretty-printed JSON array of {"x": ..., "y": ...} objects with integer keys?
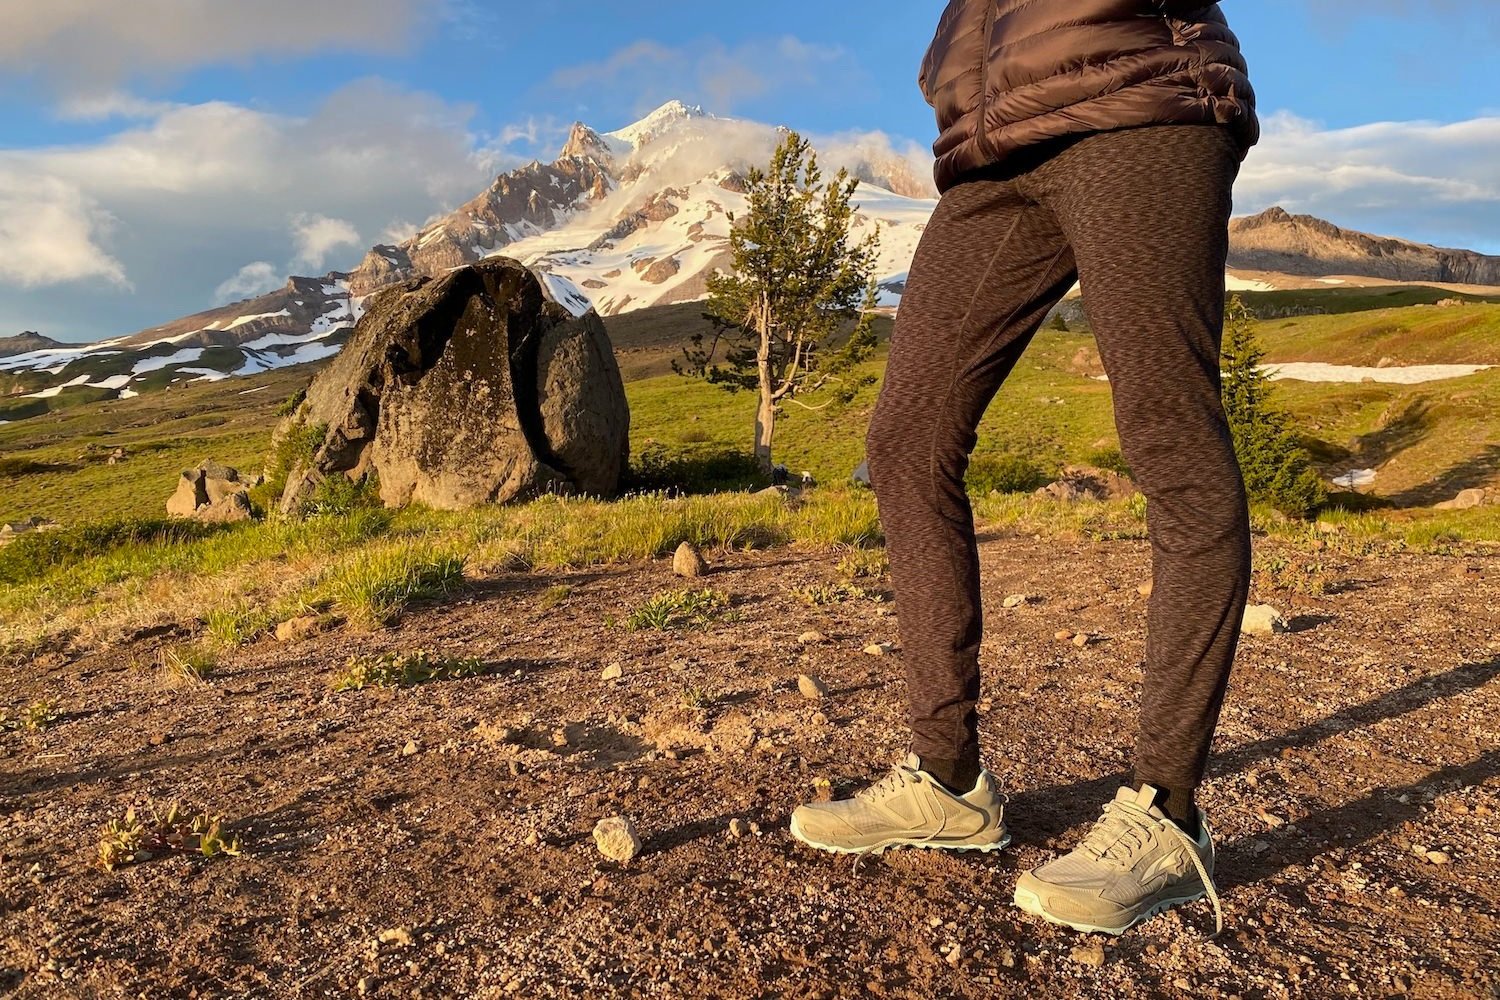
[
  {"x": 317, "y": 236},
  {"x": 111, "y": 104},
  {"x": 86, "y": 45},
  {"x": 1429, "y": 181},
  {"x": 51, "y": 232},
  {"x": 253, "y": 279},
  {"x": 180, "y": 200},
  {"x": 709, "y": 71},
  {"x": 398, "y": 232}
]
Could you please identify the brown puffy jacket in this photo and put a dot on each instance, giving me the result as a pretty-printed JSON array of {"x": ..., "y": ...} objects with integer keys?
[{"x": 1003, "y": 75}]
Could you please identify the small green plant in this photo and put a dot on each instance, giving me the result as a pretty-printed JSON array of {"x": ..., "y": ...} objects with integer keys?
[
  {"x": 1004, "y": 474},
  {"x": 387, "y": 670},
  {"x": 289, "y": 405},
  {"x": 823, "y": 594},
  {"x": 553, "y": 596},
  {"x": 33, "y": 718},
  {"x": 676, "y": 609},
  {"x": 1293, "y": 575},
  {"x": 185, "y": 666},
  {"x": 861, "y": 564},
  {"x": 1110, "y": 459},
  {"x": 695, "y": 697},
  {"x": 134, "y": 837}
]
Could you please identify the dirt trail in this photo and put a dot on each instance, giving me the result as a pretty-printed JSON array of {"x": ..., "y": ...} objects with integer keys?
[{"x": 1370, "y": 728}]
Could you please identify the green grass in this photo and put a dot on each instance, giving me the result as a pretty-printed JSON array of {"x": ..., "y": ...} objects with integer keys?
[
  {"x": 378, "y": 582},
  {"x": 101, "y": 575},
  {"x": 677, "y": 609},
  {"x": 387, "y": 670}
]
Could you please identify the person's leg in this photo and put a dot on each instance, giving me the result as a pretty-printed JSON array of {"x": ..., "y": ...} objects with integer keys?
[
  {"x": 990, "y": 265},
  {"x": 1147, "y": 212}
]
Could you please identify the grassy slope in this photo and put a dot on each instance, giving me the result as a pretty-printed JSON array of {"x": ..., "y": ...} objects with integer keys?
[{"x": 1443, "y": 435}]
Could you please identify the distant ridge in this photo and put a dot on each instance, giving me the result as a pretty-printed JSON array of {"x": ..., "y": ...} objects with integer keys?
[
  {"x": 1276, "y": 240},
  {"x": 24, "y": 343}
]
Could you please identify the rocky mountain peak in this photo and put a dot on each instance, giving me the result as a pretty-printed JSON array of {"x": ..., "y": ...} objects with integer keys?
[{"x": 584, "y": 141}]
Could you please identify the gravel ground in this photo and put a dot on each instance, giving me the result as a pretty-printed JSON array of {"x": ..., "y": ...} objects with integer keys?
[{"x": 435, "y": 841}]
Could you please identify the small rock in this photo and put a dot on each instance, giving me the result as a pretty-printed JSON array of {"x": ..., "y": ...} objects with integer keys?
[
  {"x": 533, "y": 838},
  {"x": 409, "y": 749},
  {"x": 516, "y": 768},
  {"x": 297, "y": 629},
  {"x": 1081, "y": 639},
  {"x": 1063, "y": 634},
  {"x": 612, "y": 672},
  {"x": 1091, "y": 954},
  {"x": 366, "y": 984},
  {"x": 398, "y": 936},
  {"x": 1262, "y": 619},
  {"x": 879, "y": 649},
  {"x": 1144, "y": 589},
  {"x": 1439, "y": 857},
  {"x": 812, "y": 687},
  {"x": 688, "y": 561},
  {"x": 1015, "y": 600},
  {"x": 955, "y": 956},
  {"x": 811, "y": 637},
  {"x": 616, "y": 839},
  {"x": 819, "y": 719},
  {"x": 738, "y": 828}
]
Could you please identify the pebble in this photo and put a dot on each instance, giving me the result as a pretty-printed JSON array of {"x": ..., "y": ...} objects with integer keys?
[
  {"x": 1081, "y": 639},
  {"x": 812, "y": 636},
  {"x": 688, "y": 561},
  {"x": 1438, "y": 857},
  {"x": 879, "y": 649},
  {"x": 1262, "y": 619},
  {"x": 616, "y": 839},
  {"x": 533, "y": 838},
  {"x": 1062, "y": 634},
  {"x": 409, "y": 749},
  {"x": 812, "y": 687},
  {"x": 516, "y": 768},
  {"x": 1089, "y": 954},
  {"x": 1015, "y": 600},
  {"x": 738, "y": 827},
  {"x": 399, "y": 936},
  {"x": 367, "y": 984},
  {"x": 612, "y": 672},
  {"x": 1144, "y": 589}
]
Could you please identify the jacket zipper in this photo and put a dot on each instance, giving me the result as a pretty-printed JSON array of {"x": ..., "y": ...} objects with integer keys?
[{"x": 985, "y": 146}]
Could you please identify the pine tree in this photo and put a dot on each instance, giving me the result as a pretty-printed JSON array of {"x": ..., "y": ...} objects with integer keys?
[
  {"x": 798, "y": 279},
  {"x": 1277, "y": 470}
]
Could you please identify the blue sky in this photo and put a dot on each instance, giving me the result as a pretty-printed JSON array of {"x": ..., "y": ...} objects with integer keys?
[{"x": 151, "y": 152}]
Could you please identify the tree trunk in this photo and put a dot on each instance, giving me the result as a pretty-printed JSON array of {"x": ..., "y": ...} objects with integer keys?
[{"x": 765, "y": 414}]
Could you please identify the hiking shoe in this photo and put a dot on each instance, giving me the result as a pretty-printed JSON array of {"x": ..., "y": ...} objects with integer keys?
[
  {"x": 906, "y": 808},
  {"x": 1133, "y": 864}
]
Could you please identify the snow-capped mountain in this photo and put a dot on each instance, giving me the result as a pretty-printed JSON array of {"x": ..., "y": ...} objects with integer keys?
[{"x": 631, "y": 218}]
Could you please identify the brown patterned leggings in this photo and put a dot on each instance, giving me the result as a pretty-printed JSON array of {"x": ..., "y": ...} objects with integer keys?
[{"x": 1140, "y": 216}]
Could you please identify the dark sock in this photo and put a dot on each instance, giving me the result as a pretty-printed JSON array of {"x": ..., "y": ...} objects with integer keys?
[
  {"x": 1179, "y": 805},
  {"x": 958, "y": 776}
]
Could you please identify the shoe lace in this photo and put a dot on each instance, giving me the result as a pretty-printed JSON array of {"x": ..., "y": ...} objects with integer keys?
[
  {"x": 899, "y": 776},
  {"x": 887, "y": 785},
  {"x": 1124, "y": 830}
]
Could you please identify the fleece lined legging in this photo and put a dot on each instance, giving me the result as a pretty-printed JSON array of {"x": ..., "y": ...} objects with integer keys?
[{"x": 1140, "y": 217}]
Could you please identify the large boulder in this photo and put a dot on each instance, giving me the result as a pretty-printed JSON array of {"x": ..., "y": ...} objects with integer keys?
[
  {"x": 212, "y": 492},
  {"x": 1086, "y": 482},
  {"x": 489, "y": 384}
]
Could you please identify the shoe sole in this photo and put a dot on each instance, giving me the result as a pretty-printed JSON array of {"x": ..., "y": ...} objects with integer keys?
[
  {"x": 1029, "y": 902},
  {"x": 961, "y": 846}
]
